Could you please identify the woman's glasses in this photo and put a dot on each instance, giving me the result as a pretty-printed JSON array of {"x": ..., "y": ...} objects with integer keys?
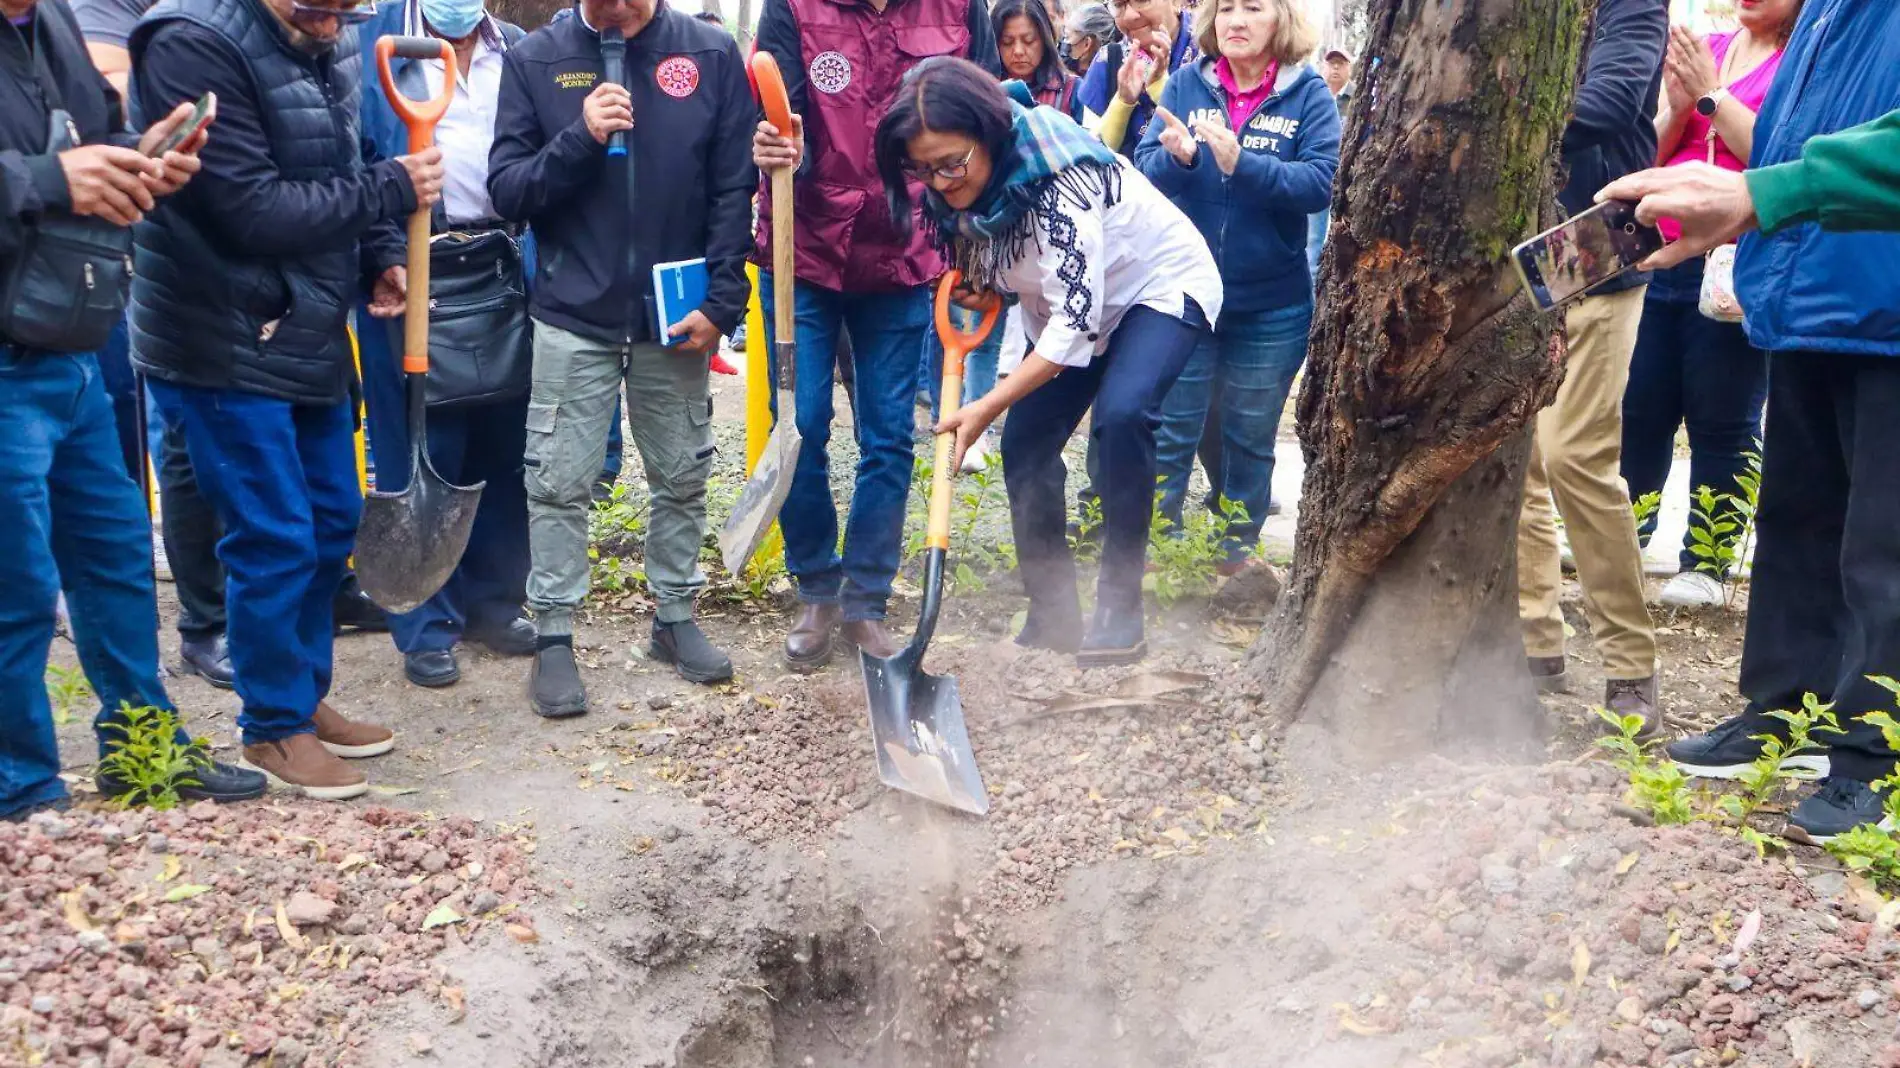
[{"x": 949, "y": 172}]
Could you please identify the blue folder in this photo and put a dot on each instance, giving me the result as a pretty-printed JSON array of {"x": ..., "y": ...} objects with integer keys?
[{"x": 679, "y": 288}]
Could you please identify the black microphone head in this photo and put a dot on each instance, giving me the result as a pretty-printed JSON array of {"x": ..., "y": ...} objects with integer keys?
[{"x": 612, "y": 38}]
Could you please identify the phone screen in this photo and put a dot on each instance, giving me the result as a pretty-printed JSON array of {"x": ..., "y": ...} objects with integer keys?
[
  {"x": 1565, "y": 261},
  {"x": 200, "y": 116}
]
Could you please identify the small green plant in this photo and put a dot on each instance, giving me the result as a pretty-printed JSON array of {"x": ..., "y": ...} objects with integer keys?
[
  {"x": 1657, "y": 787},
  {"x": 1087, "y": 542},
  {"x": 612, "y": 574},
  {"x": 1722, "y": 526},
  {"x": 66, "y": 689},
  {"x": 1770, "y": 771},
  {"x": 618, "y": 524},
  {"x": 143, "y": 752},
  {"x": 1185, "y": 558},
  {"x": 1646, "y": 506}
]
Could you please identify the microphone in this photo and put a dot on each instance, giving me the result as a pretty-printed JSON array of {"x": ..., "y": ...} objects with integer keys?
[{"x": 613, "y": 55}]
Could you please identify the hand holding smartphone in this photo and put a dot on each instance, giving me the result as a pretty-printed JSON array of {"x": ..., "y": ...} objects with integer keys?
[
  {"x": 1567, "y": 260},
  {"x": 202, "y": 113}
]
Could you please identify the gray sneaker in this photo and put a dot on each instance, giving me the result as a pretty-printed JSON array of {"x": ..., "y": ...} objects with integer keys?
[{"x": 554, "y": 683}]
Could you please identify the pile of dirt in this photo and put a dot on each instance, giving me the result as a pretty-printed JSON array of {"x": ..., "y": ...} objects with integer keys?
[
  {"x": 209, "y": 936},
  {"x": 1080, "y": 766}
]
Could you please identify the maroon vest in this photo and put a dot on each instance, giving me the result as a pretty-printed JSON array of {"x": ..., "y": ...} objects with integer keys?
[{"x": 854, "y": 59}]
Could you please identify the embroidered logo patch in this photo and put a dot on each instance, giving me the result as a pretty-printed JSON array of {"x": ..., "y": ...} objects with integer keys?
[
  {"x": 678, "y": 77},
  {"x": 575, "y": 79},
  {"x": 830, "y": 72}
]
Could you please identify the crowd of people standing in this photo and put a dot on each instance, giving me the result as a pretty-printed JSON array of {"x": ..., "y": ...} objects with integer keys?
[{"x": 1145, "y": 184}]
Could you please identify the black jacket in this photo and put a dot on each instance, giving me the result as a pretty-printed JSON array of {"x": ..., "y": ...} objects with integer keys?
[
  {"x": 31, "y": 180},
  {"x": 1613, "y": 132},
  {"x": 691, "y": 151},
  {"x": 247, "y": 277}
]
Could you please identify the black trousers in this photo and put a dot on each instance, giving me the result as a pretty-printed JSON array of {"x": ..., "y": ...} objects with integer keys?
[
  {"x": 1126, "y": 386},
  {"x": 191, "y": 531},
  {"x": 1824, "y": 607}
]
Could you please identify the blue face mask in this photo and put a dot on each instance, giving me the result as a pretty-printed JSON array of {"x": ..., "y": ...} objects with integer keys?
[{"x": 454, "y": 19}]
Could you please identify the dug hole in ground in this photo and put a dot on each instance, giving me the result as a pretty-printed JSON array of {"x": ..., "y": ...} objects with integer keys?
[{"x": 713, "y": 878}]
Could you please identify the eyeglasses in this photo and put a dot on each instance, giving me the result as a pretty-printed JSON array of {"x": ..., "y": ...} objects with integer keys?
[
  {"x": 949, "y": 172},
  {"x": 354, "y": 15}
]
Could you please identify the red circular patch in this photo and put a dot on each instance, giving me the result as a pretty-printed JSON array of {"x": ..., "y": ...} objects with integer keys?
[{"x": 678, "y": 77}]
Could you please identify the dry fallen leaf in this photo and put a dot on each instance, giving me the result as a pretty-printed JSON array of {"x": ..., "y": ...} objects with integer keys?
[
  {"x": 75, "y": 911},
  {"x": 171, "y": 869},
  {"x": 526, "y": 935},
  {"x": 1579, "y": 963},
  {"x": 441, "y": 916},
  {"x": 1350, "y": 1022},
  {"x": 1629, "y": 861},
  {"x": 185, "y": 891},
  {"x": 287, "y": 931}
]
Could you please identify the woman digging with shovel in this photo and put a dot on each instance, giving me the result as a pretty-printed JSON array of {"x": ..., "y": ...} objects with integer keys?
[{"x": 1118, "y": 288}]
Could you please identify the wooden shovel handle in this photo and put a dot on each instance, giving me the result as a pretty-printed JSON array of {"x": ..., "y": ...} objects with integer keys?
[
  {"x": 420, "y": 116},
  {"x": 957, "y": 346},
  {"x": 778, "y": 111}
]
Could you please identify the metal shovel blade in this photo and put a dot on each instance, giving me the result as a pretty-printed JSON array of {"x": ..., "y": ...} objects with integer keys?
[
  {"x": 408, "y": 543},
  {"x": 917, "y": 730},
  {"x": 764, "y": 494}
]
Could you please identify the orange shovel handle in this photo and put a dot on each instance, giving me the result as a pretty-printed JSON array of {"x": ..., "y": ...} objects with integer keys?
[
  {"x": 957, "y": 344},
  {"x": 420, "y": 116},
  {"x": 772, "y": 95}
]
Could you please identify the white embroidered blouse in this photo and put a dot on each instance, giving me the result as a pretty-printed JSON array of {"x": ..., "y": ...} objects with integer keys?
[{"x": 1089, "y": 265}]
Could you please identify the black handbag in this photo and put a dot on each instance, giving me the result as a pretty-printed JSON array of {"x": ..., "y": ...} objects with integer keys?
[
  {"x": 480, "y": 343},
  {"x": 68, "y": 285}
]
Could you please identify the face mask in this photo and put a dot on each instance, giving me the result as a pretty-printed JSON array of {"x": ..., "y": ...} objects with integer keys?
[
  {"x": 454, "y": 19},
  {"x": 1068, "y": 57}
]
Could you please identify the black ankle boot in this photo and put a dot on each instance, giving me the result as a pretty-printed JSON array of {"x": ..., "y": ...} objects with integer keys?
[
  {"x": 1115, "y": 636},
  {"x": 685, "y": 646},
  {"x": 554, "y": 682}
]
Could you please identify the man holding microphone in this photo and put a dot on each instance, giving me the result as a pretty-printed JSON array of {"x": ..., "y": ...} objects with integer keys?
[{"x": 684, "y": 118}]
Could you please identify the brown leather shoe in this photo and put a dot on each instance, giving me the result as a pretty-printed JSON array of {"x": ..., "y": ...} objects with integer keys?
[
  {"x": 808, "y": 646},
  {"x": 1635, "y": 697},
  {"x": 349, "y": 739},
  {"x": 301, "y": 761},
  {"x": 871, "y": 636}
]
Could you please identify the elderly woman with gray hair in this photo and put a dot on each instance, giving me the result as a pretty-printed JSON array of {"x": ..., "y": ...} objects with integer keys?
[{"x": 1086, "y": 31}]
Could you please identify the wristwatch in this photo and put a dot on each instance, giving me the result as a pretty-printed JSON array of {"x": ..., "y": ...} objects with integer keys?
[{"x": 1706, "y": 106}]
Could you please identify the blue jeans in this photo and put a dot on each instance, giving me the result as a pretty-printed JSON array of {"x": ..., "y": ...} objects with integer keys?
[
  {"x": 616, "y": 446},
  {"x": 1125, "y": 385},
  {"x": 74, "y": 519},
  {"x": 979, "y": 367},
  {"x": 1316, "y": 225},
  {"x": 1254, "y": 356},
  {"x": 1690, "y": 369},
  {"x": 886, "y": 335},
  {"x": 467, "y": 445},
  {"x": 282, "y": 478}
]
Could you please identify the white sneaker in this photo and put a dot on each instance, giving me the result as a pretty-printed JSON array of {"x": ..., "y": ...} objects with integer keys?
[
  {"x": 978, "y": 457},
  {"x": 1692, "y": 589}
]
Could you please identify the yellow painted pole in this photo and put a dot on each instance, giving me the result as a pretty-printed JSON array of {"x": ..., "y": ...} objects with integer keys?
[
  {"x": 758, "y": 400},
  {"x": 362, "y": 420},
  {"x": 758, "y": 377}
]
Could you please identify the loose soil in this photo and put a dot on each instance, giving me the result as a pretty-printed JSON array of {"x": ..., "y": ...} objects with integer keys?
[{"x": 696, "y": 877}]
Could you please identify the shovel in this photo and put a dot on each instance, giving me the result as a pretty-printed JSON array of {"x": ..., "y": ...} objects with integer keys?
[
  {"x": 764, "y": 493},
  {"x": 917, "y": 718},
  {"x": 408, "y": 543}
]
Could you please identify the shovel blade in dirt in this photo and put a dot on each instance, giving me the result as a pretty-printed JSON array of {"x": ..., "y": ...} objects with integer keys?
[
  {"x": 764, "y": 494},
  {"x": 409, "y": 542},
  {"x": 917, "y": 725}
]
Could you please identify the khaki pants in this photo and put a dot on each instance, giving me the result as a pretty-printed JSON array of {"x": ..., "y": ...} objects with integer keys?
[
  {"x": 1575, "y": 457},
  {"x": 570, "y": 409}
]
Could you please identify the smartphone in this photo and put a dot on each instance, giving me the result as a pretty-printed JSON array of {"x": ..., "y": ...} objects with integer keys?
[
  {"x": 201, "y": 114},
  {"x": 1565, "y": 261}
]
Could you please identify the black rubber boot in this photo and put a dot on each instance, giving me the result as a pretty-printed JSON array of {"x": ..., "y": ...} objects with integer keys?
[
  {"x": 1116, "y": 635},
  {"x": 684, "y": 646},
  {"x": 554, "y": 683}
]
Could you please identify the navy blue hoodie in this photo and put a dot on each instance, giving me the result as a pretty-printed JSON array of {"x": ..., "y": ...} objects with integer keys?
[{"x": 1254, "y": 220}]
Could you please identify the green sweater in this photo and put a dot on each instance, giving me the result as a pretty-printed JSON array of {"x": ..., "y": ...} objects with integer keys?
[{"x": 1844, "y": 181}]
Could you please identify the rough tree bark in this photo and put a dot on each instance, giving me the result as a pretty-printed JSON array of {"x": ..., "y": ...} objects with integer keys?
[{"x": 1397, "y": 627}]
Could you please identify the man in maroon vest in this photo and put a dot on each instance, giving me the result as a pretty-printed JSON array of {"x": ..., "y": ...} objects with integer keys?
[{"x": 842, "y": 61}]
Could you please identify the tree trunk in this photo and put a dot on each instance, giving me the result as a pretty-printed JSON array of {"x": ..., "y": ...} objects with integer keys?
[
  {"x": 745, "y": 25},
  {"x": 1398, "y": 623}
]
